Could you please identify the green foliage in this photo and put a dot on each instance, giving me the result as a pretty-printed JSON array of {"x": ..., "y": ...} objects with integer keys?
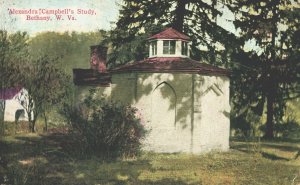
[
  {"x": 15, "y": 175},
  {"x": 71, "y": 49},
  {"x": 40, "y": 64},
  {"x": 126, "y": 47},
  {"x": 246, "y": 124},
  {"x": 107, "y": 129},
  {"x": 287, "y": 129},
  {"x": 13, "y": 53},
  {"x": 64, "y": 51},
  {"x": 268, "y": 75},
  {"x": 2, "y": 125},
  {"x": 45, "y": 83},
  {"x": 11, "y": 128}
]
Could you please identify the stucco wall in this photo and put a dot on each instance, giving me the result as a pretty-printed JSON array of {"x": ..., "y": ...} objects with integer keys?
[
  {"x": 124, "y": 88},
  {"x": 182, "y": 112},
  {"x": 211, "y": 117},
  {"x": 165, "y": 101}
]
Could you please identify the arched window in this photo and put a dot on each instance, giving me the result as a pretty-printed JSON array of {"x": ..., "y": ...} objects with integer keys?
[{"x": 164, "y": 99}]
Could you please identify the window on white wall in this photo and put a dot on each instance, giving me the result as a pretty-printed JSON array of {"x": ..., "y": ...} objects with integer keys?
[
  {"x": 169, "y": 47},
  {"x": 153, "y": 47},
  {"x": 184, "y": 48}
]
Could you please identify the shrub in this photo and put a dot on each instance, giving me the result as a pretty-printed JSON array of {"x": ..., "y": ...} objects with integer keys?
[
  {"x": 245, "y": 125},
  {"x": 288, "y": 129},
  {"x": 285, "y": 129},
  {"x": 106, "y": 128}
]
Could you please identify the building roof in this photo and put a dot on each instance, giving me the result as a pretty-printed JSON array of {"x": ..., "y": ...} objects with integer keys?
[
  {"x": 169, "y": 33},
  {"x": 171, "y": 64},
  {"x": 91, "y": 77},
  {"x": 9, "y": 93}
]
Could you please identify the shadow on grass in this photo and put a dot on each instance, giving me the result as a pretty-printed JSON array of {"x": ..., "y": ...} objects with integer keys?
[
  {"x": 46, "y": 159},
  {"x": 248, "y": 147},
  {"x": 26, "y": 160},
  {"x": 273, "y": 156},
  {"x": 282, "y": 147},
  {"x": 254, "y": 139},
  {"x": 166, "y": 182}
]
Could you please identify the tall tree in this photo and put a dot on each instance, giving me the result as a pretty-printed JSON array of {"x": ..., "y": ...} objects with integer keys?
[
  {"x": 13, "y": 52},
  {"x": 3, "y": 52},
  {"x": 197, "y": 18},
  {"x": 45, "y": 82},
  {"x": 272, "y": 75}
]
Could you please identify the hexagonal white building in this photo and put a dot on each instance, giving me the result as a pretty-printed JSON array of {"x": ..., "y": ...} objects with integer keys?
[{"x": 184, "y": 103}]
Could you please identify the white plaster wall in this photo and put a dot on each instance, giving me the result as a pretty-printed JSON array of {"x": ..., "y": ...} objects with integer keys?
[
  {"x": 158, "y": 108},
  {"x": 212, "y": 109},
  {"x": 124, "y": 88}
]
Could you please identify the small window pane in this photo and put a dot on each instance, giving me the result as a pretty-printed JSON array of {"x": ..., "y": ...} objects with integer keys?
[
  {"x": 166, "y": 47},
  {"x": 166, "y": 43},
  {"x": 169, "y": 46},
  {"x": 184, "y": 48},
  {"x": 172, "y": 46},
  {"x": 153, "y": 48}
]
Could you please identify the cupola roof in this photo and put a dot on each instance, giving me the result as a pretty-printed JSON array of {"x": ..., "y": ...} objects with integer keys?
[{"x": 170, "y": 33}]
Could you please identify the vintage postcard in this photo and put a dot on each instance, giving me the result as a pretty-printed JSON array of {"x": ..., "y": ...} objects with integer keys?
[{"x": 149, "y": 92}]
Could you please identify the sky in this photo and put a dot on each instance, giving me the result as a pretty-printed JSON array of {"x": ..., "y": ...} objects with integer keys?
[{"x": 104, "y": 12}]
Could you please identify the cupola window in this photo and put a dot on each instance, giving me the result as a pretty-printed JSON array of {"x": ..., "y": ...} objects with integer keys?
[
  {"x": 184, "y": 48},
  {"x": 153, "y": 48},
  {"x": 169, "y": 47}
]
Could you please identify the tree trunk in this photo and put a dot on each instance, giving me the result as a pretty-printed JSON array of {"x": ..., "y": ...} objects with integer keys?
[
  {"x": 271, "y": 91},
  {"x": 46, "y": 122},
  {"x": 179, "y": 15},
  {"x": 31, "y": 122},
  {"x": 2, "y": 112},
  {"x": 270, "y": 117},
  {"x": 33, "y": 128}
]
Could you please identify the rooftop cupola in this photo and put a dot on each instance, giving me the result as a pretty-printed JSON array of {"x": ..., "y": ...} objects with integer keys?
[{"x": 169, "y": 43}]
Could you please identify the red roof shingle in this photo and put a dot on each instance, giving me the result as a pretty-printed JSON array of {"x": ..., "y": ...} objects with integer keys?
[
  {"x": 169, "y": 33},
  {"x": 171, "y": 64},
  {"x": 9, "y": 93}
]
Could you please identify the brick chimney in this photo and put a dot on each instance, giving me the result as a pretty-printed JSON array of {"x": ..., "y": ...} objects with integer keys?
[{"x": 98, "y": 58}]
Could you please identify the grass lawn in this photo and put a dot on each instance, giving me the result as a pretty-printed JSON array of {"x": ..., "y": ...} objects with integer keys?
[{"x": 48, "y": 159}]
